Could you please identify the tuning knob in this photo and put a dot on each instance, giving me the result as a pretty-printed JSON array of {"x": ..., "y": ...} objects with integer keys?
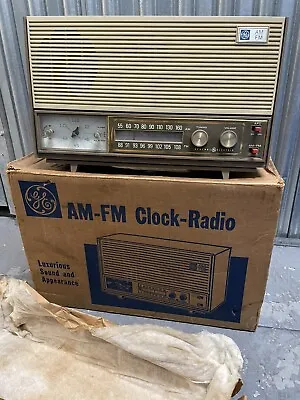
[
  {"x": 228, "y": 139},
  {"x": 199, "y": 138},
  {"x": 48, "y": 132}
]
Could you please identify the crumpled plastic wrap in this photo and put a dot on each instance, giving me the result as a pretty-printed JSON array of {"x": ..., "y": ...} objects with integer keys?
[{"x": 48, "y": 351}]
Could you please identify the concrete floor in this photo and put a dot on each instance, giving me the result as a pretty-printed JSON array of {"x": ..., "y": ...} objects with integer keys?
[{"x": 271, "y": 354}]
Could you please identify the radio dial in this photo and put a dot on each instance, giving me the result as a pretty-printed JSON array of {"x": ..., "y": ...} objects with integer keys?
[
  {"x": 228, "y": 139},
  {"x": 199, "y": 138}
]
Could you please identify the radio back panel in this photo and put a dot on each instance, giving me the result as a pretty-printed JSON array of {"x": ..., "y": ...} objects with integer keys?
[
  {"x": 93, "y": 77},
  {"x": 142, "y": 267}
]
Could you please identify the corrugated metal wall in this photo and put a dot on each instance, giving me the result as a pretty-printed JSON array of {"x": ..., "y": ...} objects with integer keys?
[
  {"x": 3, "y": 161},
  {"x": 15, "y": 106}
]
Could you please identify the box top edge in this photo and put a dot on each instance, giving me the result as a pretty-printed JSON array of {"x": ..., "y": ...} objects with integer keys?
[{"x": 32, "y": 165}]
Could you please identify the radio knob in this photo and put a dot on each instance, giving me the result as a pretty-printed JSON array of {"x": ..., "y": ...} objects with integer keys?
[
  {"x": 47, "y": 132},
  {"x": 228, "y": 139},
  {"x": 199, "y": 138}
]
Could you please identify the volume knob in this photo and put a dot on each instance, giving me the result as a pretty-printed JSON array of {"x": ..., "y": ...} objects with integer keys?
[
  {"x": 199, "y": 138},
  {"x": 228, "y": 139}
]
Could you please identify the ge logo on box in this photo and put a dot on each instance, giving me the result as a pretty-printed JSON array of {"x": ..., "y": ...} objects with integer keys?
[{"x": 40, "y": 199}]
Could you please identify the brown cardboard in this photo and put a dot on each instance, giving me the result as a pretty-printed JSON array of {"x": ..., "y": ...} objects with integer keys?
[{"x": 160, "y": 230}]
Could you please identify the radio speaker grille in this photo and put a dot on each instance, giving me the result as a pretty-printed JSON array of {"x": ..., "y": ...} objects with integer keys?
[{"x": 153, "y": 64}]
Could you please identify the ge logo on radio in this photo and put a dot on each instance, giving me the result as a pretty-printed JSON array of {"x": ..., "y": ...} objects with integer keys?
[
  {"x": 245, "y": 34},
  {"x": 40, "y": 200}
]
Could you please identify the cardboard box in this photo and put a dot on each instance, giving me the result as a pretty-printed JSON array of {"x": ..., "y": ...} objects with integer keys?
[{"x": 187, "y": 249}]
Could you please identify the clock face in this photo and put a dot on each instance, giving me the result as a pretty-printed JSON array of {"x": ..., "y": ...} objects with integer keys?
[{"x": 73, "y": 133}]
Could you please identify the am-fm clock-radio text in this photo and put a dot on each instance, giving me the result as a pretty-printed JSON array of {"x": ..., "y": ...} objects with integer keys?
[{"x": 150, "y": 216}]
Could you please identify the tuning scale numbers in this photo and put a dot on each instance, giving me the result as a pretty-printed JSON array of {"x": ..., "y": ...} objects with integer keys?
[
  {"x": 150, "y": 126},
  {"x": 149, "y": 146},
  {"x": 164, "y": 143}
]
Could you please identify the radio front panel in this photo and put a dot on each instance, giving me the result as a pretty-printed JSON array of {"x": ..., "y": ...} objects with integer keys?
[{"x": 178, "y": 137}]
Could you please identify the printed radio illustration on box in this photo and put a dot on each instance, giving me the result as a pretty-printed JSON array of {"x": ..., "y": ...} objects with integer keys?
[{"x": 185, "y": 275}]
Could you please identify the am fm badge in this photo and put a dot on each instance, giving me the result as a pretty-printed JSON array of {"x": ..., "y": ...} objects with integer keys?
[{"x": 259, "y": 35}]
